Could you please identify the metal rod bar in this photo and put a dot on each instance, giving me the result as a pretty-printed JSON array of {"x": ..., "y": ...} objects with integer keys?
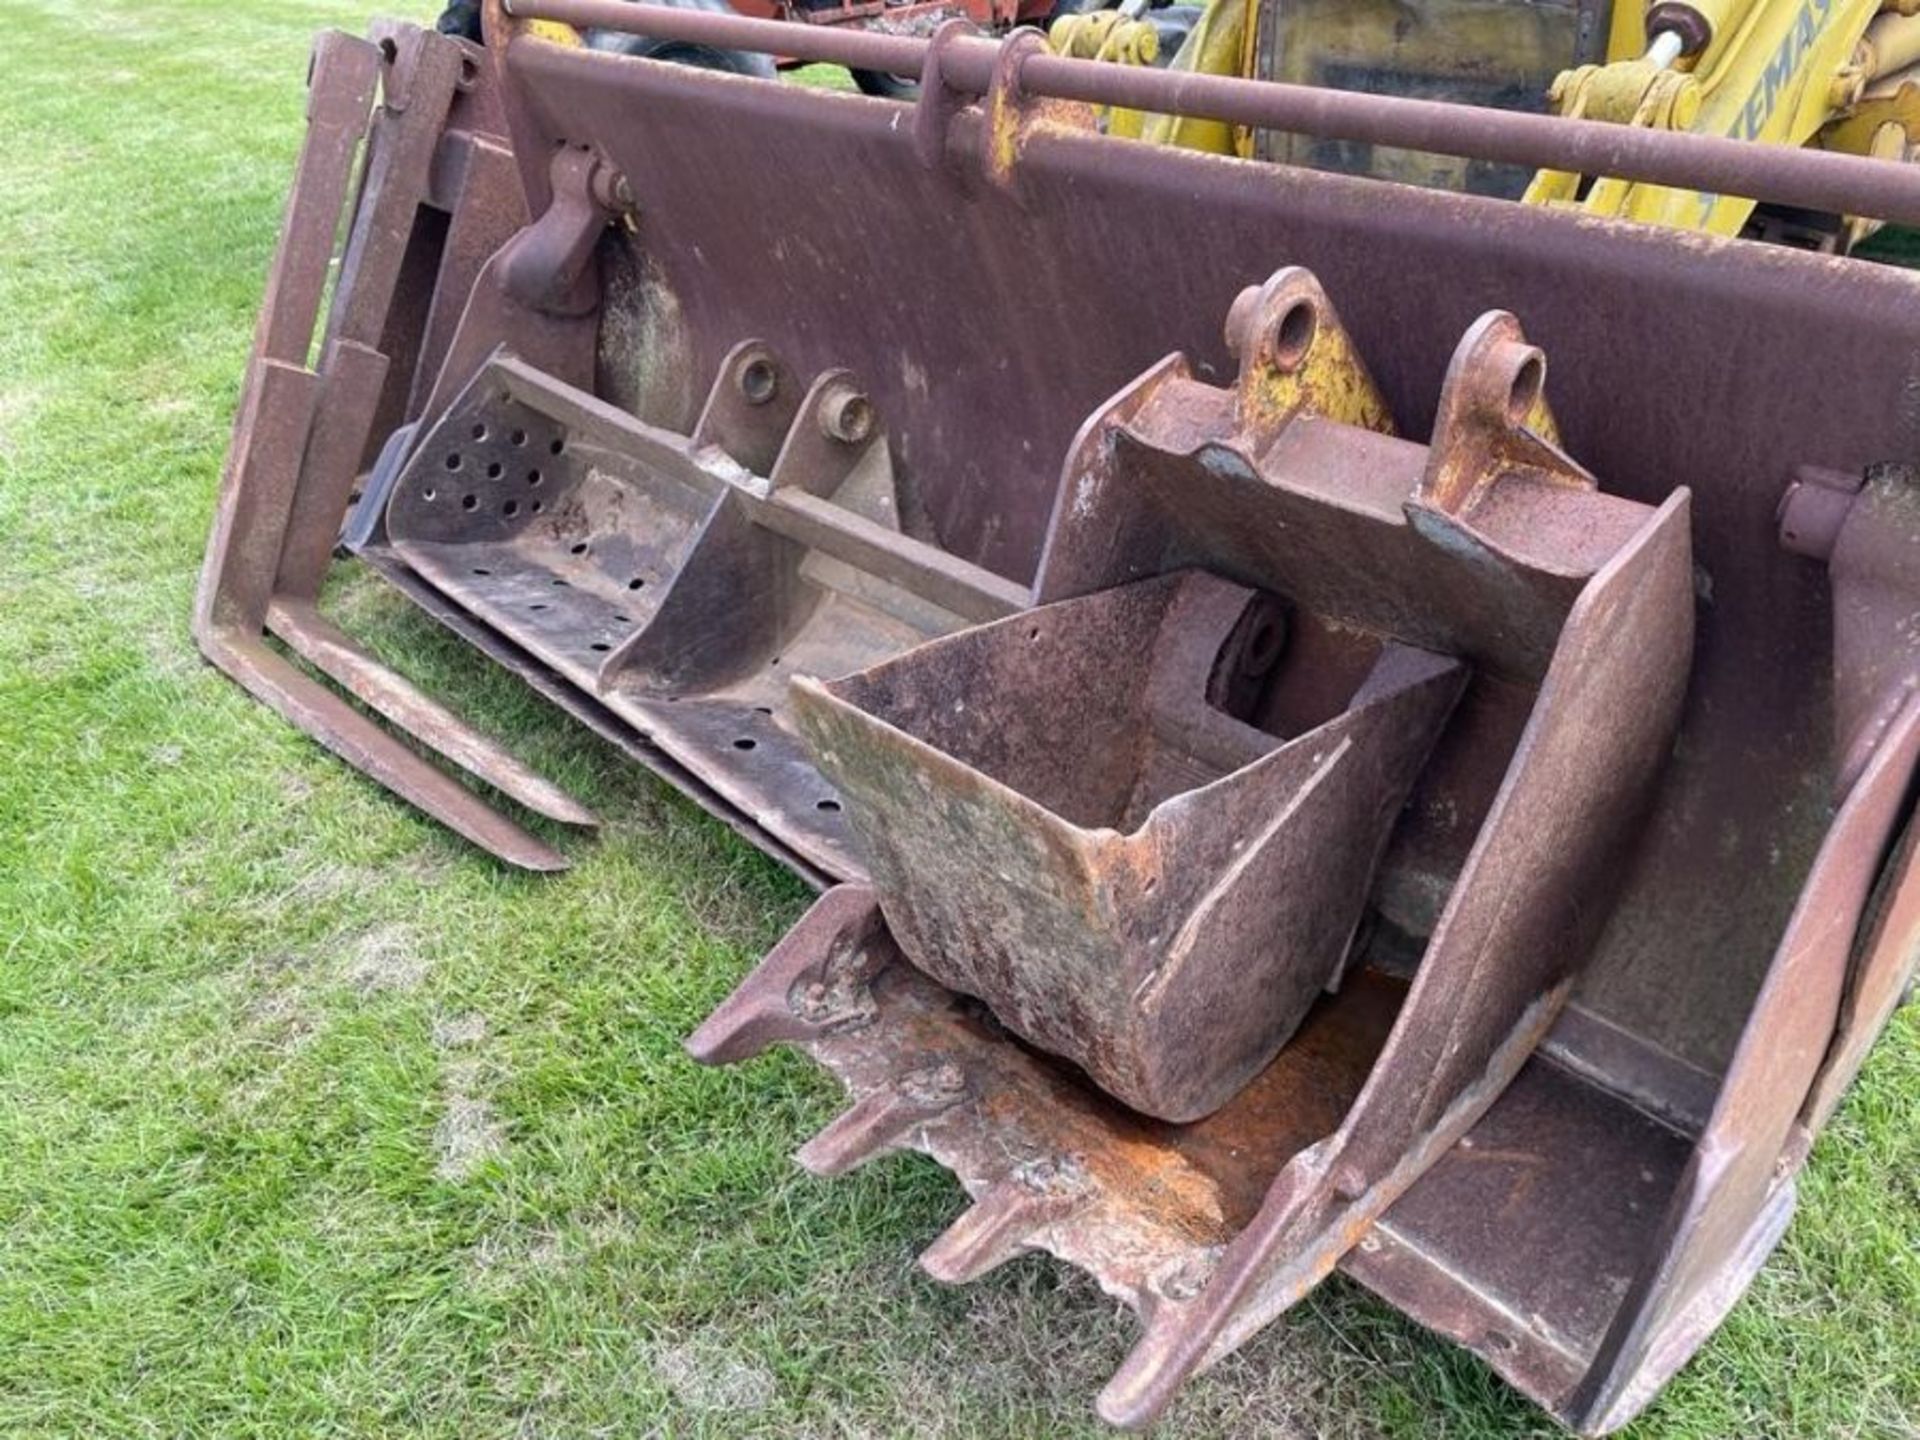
[
  {"x": 339, "y": 657},
  {"x": 1713, "y": 165},
  {"x": 837, "y": 44},
  {"x": 970, "y": 592}
]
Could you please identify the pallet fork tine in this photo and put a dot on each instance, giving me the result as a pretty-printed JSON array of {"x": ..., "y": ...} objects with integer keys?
[{"x": 302, "y": 431}]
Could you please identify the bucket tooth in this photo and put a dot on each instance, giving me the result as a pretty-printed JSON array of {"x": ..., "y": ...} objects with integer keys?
[
  {"x": 881, "y": 1120},
  {"x": 1343, "y": 861},
  {"x": 1005, "y": 1221},
  {"x": 814, "y": 983},
  {"x": 1169, "y": 884}
]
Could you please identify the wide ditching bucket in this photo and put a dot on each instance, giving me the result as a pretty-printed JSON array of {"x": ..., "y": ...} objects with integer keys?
[{"x": 1294, "y": 788}]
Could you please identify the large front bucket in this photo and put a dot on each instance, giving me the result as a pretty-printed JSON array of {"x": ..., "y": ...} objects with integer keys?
[{"x": 1296, "y": 798}]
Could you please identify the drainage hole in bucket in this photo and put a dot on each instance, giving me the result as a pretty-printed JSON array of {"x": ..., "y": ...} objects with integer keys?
[
  {"x": 533, "y": 477},
  {"x": 636, "y": 583},
  {"x": 453, "y": 461},
  {"x": 579, "y": 549},
  {"x": 467, "y": 502},
  {"x": 832, "y": 807},
  {"x": 556, "y": 447},
  {"x": 519, "y": 437},
  {"x": 480, "y": 432},
  {"x": 428, "y": 493},
  {"x": 478, "y": 571},
  {"x": 495, "y": 470},
  {"x": 510, "y": 509},
  {"x": 600, "y": 645},
  {"x": 539, "y": 605},
  {"x": 743, "y": 743}
]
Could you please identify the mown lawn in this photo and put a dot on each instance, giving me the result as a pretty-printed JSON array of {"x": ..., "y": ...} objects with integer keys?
[{"x": 313, "y": 1121}]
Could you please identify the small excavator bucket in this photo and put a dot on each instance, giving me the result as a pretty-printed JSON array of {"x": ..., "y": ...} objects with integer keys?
[{"x": 1293, "y": 789}]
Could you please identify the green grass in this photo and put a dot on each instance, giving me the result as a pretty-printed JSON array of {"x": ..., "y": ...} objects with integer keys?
[{"x": 313, "y": 1121}]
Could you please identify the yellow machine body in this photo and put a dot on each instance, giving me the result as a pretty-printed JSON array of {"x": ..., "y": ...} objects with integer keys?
[{"x": 1839, "y": 74}]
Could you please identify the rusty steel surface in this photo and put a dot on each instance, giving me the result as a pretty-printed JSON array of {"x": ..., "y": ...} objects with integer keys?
[
  {"x": 1167, "y": 886},
  {"x": 1106, "y": 878},
  {"x": 1457, "y": 730},
  {"x": 1710, "y": 164}
]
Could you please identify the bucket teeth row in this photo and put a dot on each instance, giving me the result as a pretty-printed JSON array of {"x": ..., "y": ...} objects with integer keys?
[
  {"x": 1282, "y": 624},
  {"x": 1271, "y": 812}
]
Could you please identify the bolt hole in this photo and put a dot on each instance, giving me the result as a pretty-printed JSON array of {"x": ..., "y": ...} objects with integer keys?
[
  {"x": 1293, "y": 336},
  {"x": 430, "y": 492},
  {"x": 469, "y": 73},
  {"x": 1499, "y": 1340},
  {"x": 519, "y": 437},
  {"x": 534, "y": 477},
  {"x": 832, "y": 807},
  {"x": 510, "y": 509},
  {"x": 556, "y": 446},
  {"x": 480, "y": 432},
  {"x": 1525, "y": 391},
  {"x": 850, "y": 419},
  {"x": 746, "y": 743},
  {"x": 758, "y": 382},
  {"x": 636, "y": 582},
  {"x": 536, "y": 507},
  {"x": 1034, "y": 633},
  {"x": 468, "y": 502},
  {"x": 493, "y": 470},
  {"x": 577, "y": 549},
  {"x": 453, "y": 461}
]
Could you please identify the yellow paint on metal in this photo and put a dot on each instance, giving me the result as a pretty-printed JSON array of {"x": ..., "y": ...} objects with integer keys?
[
  {"x": 554, "y": 33},
  {"x": 1108, "y": 36},
  {"x": 1218, "y": 44},
  {"x": 1773, "y": 72},
  {"x": 1320, "y": 375},
  {"x": 1776, "y": 72},
  {"x": 496, "y": 19}
]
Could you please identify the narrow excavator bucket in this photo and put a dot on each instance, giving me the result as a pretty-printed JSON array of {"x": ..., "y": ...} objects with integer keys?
[{"x": 1298, "y": 790}]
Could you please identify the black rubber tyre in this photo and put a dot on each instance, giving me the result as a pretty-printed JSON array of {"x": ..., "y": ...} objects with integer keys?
[
  {"x": 701, "y": 57},
  {"x": 885, "y": 86},
  {"x": 460, "y": 19}
]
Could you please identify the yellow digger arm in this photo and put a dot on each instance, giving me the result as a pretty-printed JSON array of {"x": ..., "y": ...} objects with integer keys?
[{"x": 1775, "y": 72}]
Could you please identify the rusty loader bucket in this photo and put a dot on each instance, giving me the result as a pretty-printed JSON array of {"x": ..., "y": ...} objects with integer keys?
[{"x": 1293, "y": 788}]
